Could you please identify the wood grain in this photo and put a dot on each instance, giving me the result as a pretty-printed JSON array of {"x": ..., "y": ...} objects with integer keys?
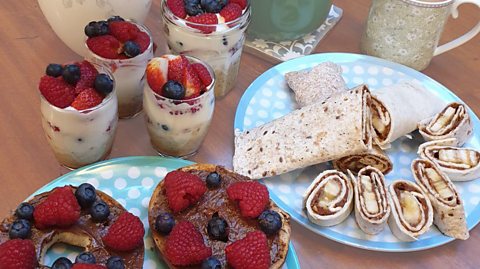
[{"x": 27, "y": 45}]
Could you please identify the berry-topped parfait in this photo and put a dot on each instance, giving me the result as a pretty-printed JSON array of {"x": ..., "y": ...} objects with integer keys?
[
  {"x": 213, "y": 30},
  {"x": 124, "y": 47},
  {"x": 178, "y": 102},
  {"x": 79, "y": 112}
]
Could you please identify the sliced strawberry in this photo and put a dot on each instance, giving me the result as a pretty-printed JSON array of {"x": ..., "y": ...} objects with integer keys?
[
  {"x": 176, "y": 67},
  {"x": 202, "y": 73},
  {"x": 105, "y": 46},
  {"x": 56, "y": 91},
  {"x": 87, "y": 78},
  {"x": 192, "y": 83},
  {"x": 157, "y": 73},
  {"x": 87, "y": 99}
]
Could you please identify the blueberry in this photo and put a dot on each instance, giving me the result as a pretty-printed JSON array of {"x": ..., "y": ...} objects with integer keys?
[
  {"x": 131, "y": 49},
  {"x": 103, "y": 84},
  {"x": 214, "y": 180},
  {"x": 211, "y": 6},
  {"x": 174, "y": 90},
  {"x": 20, "y": 228},
  {"x": 115, "y": 18},
  {"x": 164, "y": 223},
  {"x": 115, "y": 263},
  {"x": 90, "y": 29},
  {"x": 102, "y": 28},
  {"x": 71, "y": 74},
  {"x": 99, "y": 211},
  {"x": 193, "y": 9},
  {"x": 217, "y": 228},
  {"x": 223, "y": 3},
  {"x": 62, "y": 263},
  {"x": 270, "y": 222},
  {"x": 196, "y": 2},
  {"x": 85, "y": 257},
  {"x": 54, "y": 70},
  {"x": 85, "y": 195},
  {"x": 211, "y": 263},
  {"x": 164, "y": 127},
  {"x": 25, "y": 211}
]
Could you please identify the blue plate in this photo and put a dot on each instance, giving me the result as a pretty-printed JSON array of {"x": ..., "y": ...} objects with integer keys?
[
  {"x": 269, "y": 97},
  {"x": 131, "y": 182}
]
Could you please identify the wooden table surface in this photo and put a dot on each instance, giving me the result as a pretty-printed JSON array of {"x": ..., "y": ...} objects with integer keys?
[{"x": 28, "y": 45}]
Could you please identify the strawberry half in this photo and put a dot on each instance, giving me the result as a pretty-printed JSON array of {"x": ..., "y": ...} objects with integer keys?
[
  {"x": 176, "y": 67},
  {"x": 157, "y": 73},
  {"x": 87, "y": 99},
  {"x": 192, "y": 83}
]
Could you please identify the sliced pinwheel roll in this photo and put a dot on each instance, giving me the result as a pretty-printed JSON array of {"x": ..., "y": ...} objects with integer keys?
[
  {"x": 448, "y": 214},
  {"x": 459, "y": 164},
  {"x": 412, "y": 212},
  {"x": 452, "y": 122},
  {"x": 371, "y": 200},
  {"x": 328, "y": 200},
  {"x": 375, "y": 157}
]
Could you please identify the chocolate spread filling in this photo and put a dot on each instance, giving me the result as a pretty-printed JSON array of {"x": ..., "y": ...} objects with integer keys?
[
  {"x": 399, "y": 188},
  {"x": 456, "y": 122},
  {"x": 375, "y": 114},
  {"x": 325, "y": 211},
  {"x": 418, "y": 174}
]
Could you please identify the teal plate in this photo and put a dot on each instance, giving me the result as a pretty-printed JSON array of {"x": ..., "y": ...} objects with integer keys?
[{"x": 131, "y": 181}]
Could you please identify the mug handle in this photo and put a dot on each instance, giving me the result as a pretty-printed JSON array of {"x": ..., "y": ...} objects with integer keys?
[{"x": 466, "y": 37}]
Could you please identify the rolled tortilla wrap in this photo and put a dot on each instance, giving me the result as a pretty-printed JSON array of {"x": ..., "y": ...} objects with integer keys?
[
  {"x": 397, "y": 109},
  {"x": 375, "y": 157},
  {"x": 328, "y": 200},
  {"x": 448, "y": 212},
  {"x": 316, "y": 85},
  {"x": 452, "y": 122},
  {"x": 371, "y": 200},
  {"x": 412, "y": 212},
  {"x": 459, "y": 164},
  {"x": 317, "y": 133}
]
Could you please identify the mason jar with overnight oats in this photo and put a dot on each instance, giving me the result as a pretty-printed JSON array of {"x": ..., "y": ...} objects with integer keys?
[{"x": 214, "y": 34}]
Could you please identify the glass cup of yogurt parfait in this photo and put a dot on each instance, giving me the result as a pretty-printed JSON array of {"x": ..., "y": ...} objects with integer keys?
[
  {"x": 128, "y": 71},
  {"x": 178, "y": 127},
  {"x": 83, "y": 132},
  {"x": 220, "y": 45}
]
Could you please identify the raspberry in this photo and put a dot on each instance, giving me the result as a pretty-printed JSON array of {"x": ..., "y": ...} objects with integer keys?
[
  {"x": 183, "y": 189},
  {"x": 252, "y": 196},
  {"x": 185, "y": 245},
  {"x": 123, "y": 31},
  {"x": 56, "y": 91},
  {"x": 126, "y": 233},
  {"x": 105, "y": 46},
  {"x": 59, "y": 209},
  {"x": 241, "y": 3},
  {"x": 206, "y": 18},
  {"x": 176, "y": 68},
  {"x": 18, "y": 254},
  {"x": 202, "y": 73},
  {"x": 87, "y": 266},
  {"x": 143, "y": 40},
  {"x": 231, "y": 12},
  {"x": 87, "y": 77},
  {"x": 177, "y": 7},
  {"x": 87, "y": 99},
  {"x": 251, "y": 252}
]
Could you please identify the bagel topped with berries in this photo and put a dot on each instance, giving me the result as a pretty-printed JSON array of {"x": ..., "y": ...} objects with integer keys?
[
  {"x": 206, "y": 216},
  {"x": 80, "y": 216}
]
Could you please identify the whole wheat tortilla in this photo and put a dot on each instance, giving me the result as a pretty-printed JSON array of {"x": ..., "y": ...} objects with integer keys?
[
  {"x": 338, "y": 127},
  {"x": 374, "y": 157}
]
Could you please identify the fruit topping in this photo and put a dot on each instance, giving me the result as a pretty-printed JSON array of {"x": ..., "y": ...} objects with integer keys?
[
  {"x": 192, "y": 8},
  {"x": 87, "y": 99},
  {"x": 62, "y": 263},
  {"x": 90, "y": 30},
  {"x": 131, "y": 49},
  {"x": 192, "y": 83},
  {"x": 71, "y": 74},
  {"x": 176, "y": 66},
  {"x": 252, "y": 196},
  {"x": 18, "y": 254},
  {"x": 115, "y": 263},
  {"x": 54, "y": 70},
  {"x": 99, "y": 211},
  {"x": 173, "y": 90},
  {"x": 214, "y": 180},
  {"x": 87, "y": 266},
  {"x": 88, "y": 72},
  {"x": 115, "y": 18},
  {"x": 211, "y": 263},
  {"x": 185, "y": 245},
  {"x": 270, "y": 222},
  {"x": 202, "y": 73},
  {"x": 20, "y": 228},
  {"x": 164, "y": 223},
  {"x": 206, "y": 18},
  {"x": 241, "y": 3},
  {"x": 157, "y": 72},
  {"x": 250, "y": 252},
  {"x": 123, "y": 31},
  {"x": 102, "y": 28},
  {"x": 213, "y": 6},
  {"x": 231, "y": 12},
  {"x": 85, "y": 257},
  {"x": 105, "y": 46},
  {"x": 25, "y": 211},
  {"x": 143, "y": 40},
  {"x": 217, "y": 228},
  {"x": 183, "y": 189},
  {"x": 59, "y": 209},
  {"x": 126, "y": 233},
  {"x": 103, "y": 84},
  {"x": 86, "y": 195},
  {"x": 56, "y": 91},
  {"x": 177, "y": 7}
]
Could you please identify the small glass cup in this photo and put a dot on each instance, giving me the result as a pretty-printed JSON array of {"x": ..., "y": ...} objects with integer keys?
[
  {"x": 129, "y": 74},
  {"x": 221, "y": 49},
  {"x": 178, "y": 127},
  {"x": 79, "y": 138}
]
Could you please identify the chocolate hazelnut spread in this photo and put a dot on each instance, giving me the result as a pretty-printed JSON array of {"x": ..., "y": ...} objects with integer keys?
[
  {"x": 325, "y": 211},
  {"x": 376, "y": 106},
  {"x": 400, "y": 187}
]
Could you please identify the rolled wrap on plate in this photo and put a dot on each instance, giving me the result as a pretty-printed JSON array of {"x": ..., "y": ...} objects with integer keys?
[
  {"x": 371, "y": 200},
  {"x": 338, "y": 127},
  {"x": 459, "y": 164},
  {"x": 397, "y": 109},
  {"x": 375, "y": 157},
  {"x": 452, "y": 122},
  {"x": 328, "y": 200},
  {"x": 448, "y": 214},
  {"x": 412, "y": 212},
  {"x": 316, "y": 85}
]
